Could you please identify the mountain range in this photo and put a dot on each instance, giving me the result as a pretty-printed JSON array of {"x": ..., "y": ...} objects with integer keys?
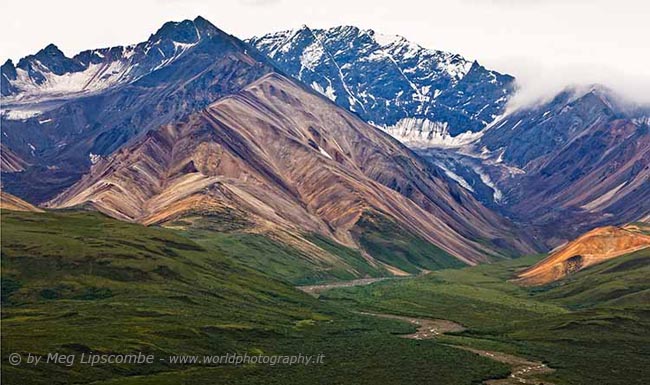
[
  {"x": 298, "y": 132},
  {"x": 200, "y": 195},
  {"x": 287, "y": 161},
  {"x": 559, "y": 167},
  {"x": 579, "y": 161}
]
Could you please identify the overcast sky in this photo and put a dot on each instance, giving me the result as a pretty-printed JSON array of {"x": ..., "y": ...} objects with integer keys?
[{"x": 546, "y": 44}]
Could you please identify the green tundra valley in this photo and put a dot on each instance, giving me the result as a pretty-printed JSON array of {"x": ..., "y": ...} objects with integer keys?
[{"x": 75, "y": 282}]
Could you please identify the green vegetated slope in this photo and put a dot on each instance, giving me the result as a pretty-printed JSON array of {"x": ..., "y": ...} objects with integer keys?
[
  {"x": 228, "y": 232},
  {"x": 622, "y": 282},
  {"x": 76, "y": 282},
  {"x": 285, "y": 262},
  {"x": 594, "y": 327},
  {"x": 378, "y": 236},
  {"x": 388, "y": 242}
]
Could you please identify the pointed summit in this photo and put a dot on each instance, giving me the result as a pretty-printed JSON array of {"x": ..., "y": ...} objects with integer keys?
[
  {"x": 183, "y": 32},
  {"x": 9, "y": 70},
  {"x": 303, "y": 31},
  {"x": 52, "y": 58},
  {"x": 7, "y": 74},
  {"x": 52, "y": 49},
  {"x": 204, "y": 25},
  {"x": 187, "y": 31},
  {"x": 206, "y": 28}
]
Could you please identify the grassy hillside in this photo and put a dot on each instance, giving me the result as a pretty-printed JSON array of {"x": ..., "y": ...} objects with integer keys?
[
  {"x": 75, "y": 282},
  {"x": 592, "y": 328},
  {"x": 392, "y": 244},
  {"x": 378, "y": 236},
  {"x": 88, "y": 282},
  {"x": 288, "y": 263}
]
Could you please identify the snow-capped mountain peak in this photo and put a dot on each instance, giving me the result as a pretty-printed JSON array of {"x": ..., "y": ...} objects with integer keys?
[
  {"x": 419, "y": 95},
  {"x": 51, "y": 74}
]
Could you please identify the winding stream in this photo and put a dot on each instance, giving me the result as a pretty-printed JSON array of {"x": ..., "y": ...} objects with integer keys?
[{"x": 523, "y": 371}]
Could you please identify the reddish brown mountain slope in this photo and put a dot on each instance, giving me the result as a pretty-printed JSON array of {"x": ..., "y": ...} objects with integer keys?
[
  {"x": 290, "y": 162},
  {"x": 596, "y": 246}
]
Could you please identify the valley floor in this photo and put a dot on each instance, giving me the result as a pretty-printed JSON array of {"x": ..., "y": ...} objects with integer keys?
[
  {"x": 590, "y": 329},
  {"x": 75, "y": 282}
]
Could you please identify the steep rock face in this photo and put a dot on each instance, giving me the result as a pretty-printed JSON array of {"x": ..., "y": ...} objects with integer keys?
[
  {"x": 62, "y": 131},
  {"x": 587, "y": 165},
  {"x": 422, "y": 97},
  {"x": 292, "y": 162},
  {"x": 596, "y": 246},
  {"x": 527, "y": 136},
  {"x": 602, "y": 177}
]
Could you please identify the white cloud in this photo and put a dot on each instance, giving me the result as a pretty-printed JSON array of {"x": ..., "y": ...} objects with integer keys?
[{"x": 539, "y": 82}]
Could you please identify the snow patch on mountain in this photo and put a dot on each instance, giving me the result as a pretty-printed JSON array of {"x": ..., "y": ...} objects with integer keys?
[
  {"x": 311, "y": 56},
  {"x": 21, "y": 114},
  {"x": 329, "y": 92},
  {"x": 325, "y": 153},
  {"x": 497, "y": 194},
  {"x": 95, "y": 77},
  {"x": 422, "y": 133},
  {"x": 50, "y": 74},
  {"x": 94, "y": 158},
  {"x": 462, "y": 182},
  {"x": 644, "y": 120}
]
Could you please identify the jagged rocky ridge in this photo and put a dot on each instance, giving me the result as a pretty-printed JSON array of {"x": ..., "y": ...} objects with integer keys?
[
  {"x": 422, "y": 97},
  {"x": 49, "y": 73}
]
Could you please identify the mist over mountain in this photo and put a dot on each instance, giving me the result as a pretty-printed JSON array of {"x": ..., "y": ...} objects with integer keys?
[{"x": 538, "y": 83}]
